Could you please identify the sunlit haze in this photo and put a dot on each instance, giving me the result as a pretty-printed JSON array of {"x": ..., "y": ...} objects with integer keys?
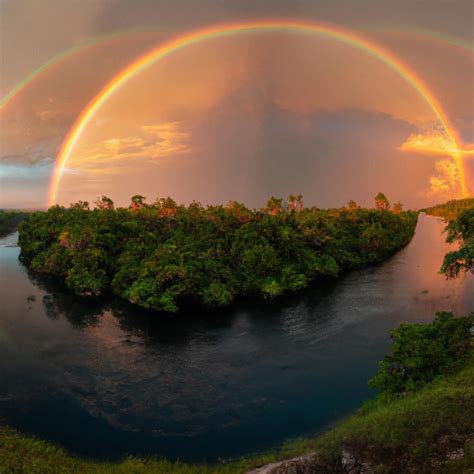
[{"x": 239, "y": 116}]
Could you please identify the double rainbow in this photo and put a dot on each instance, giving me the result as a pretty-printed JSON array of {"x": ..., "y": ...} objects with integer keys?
[{"x": 270, "y": 25}]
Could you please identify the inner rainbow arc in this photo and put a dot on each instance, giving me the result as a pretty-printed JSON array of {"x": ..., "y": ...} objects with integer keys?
[{"x": 216, "y": 31}]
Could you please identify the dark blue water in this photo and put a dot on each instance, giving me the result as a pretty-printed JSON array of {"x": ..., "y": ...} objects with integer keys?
[{"x": 105, "y": 379}]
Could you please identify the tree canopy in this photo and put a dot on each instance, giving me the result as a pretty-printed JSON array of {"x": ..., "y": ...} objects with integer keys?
[
  {"x": 460, "y": 229},
  {"x": 381, "y": 202},
  {"x": 162, "y": 254},
  {"x": 9, "y": 221}
]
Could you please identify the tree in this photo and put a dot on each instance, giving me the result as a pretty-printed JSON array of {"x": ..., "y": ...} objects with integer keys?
[
  {"x": 381, "y": 202},
  {"x": 295, "y": 203},
  {"x": 80, "y": 205},
  {"x": 167, "y": 207},
  {"x": 299, "y": 203},
  {"x": 274, "y": 206},
  {"x": 397, "y": 207},
  {"x": 137, "y": 202},
  {"x": 291, "y": 201},
  {"x": 103, "y": 203},
  {"x": 239, "y": 210},
  {"x": 460, "y": 230},
  {"x": 352, "y": 205}
]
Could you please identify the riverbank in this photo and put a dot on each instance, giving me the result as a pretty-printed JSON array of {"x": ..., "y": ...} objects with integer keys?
[
  {"x": 450, "y": 210},
  {"x": 430, "y": 430}
]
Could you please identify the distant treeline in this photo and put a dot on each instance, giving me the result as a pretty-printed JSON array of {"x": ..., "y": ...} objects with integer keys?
[
  {"x": 159, "y": 255},
  {"x": 451, "y": 209},
  {"x": 9, "y": 221}
]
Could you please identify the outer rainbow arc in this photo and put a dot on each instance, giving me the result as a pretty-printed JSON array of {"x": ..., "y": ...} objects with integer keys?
[
  {"x": 58, "y": 57},
  {"x": 53, "y": 60},
  {"x": 27, "y": 80},
  {"x": 216, "y": 31}
]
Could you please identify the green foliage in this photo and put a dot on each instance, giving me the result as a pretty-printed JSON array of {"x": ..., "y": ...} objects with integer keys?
[
  {"x": 80, "y": 205},
  {"x": 460, "y": 217},
  {"x": 412, "y": 434},
  {"x": 421, "y": 352},
  {"x": 397, "y": 207},
  {"x": 381, "y": 202},
  {"x": 352, "y": 205},
  {"x": 9, "y": 221},
  {"x": 138, "y": 201},
  {"x": 461, "y": 260},
  {"x": 450, "y": 210},
  {"x": 104, "y": 202},
  {"x": 158, "y": 255}
]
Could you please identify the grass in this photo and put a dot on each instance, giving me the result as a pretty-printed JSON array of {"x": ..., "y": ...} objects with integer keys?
[{"x": 411, "y": 434}]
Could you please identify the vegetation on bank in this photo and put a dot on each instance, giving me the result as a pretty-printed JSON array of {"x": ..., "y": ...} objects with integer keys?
[
  {"x": 161, "y": 255},
  {"x": 450, "y": 210},
  {"x": 421, "y": 421},
  {"x": 9, "y": 221},
  {"x": 461, "y": 230},
  {"x": 460, "y": 217}
]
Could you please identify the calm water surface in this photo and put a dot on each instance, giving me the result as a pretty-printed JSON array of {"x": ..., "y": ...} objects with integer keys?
[{"x": 105, "y": 379}]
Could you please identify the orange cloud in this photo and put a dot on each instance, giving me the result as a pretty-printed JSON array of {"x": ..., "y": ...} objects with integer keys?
[
  {"x": 434, "y": 143},
  {"x": 446, "y": 181},
  {"x": 437, "y": 143},
  {"x": 111, "y": 155}
]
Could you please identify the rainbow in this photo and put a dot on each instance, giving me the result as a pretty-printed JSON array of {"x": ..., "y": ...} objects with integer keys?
[
  {"x": 463, "y": 46},
  {"x": 57, "y": 58},
  {"x": 18, "y": 87},
  {"x": 223, "y": 30}
]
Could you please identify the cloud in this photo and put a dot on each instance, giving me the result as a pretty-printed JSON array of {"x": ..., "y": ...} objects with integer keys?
[
  {"x": 434, "y": 143},
  {"x": 17, "y": 171},
  {"x": 32, "y": 179},
  {"x": 445, "y": 183},
  {"x": 437, "y": 144},
  {"x": 153, "y": 142}
]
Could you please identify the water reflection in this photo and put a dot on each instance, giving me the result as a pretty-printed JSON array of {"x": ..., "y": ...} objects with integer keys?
[{"x": 104, "y": 378}]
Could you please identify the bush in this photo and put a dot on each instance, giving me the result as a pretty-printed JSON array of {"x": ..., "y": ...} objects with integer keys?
[{"x": 421, "y": 352}]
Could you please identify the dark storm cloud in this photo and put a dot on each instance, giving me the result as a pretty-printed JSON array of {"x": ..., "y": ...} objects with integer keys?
[{"x": 249, "y": 154}]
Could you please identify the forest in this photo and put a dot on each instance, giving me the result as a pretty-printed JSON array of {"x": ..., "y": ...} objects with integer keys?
[
  {"x": 9, "y": 221},
  {"x": 450, "y": 210},
  {"x": 163, "y": 255}
]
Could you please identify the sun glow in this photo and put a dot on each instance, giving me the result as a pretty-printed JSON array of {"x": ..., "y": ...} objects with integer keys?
[
  {"x": 435, "y": 143},
  {"x": 209, "y": 33}
]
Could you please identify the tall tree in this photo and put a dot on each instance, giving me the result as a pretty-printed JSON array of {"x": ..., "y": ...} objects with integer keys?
[
  {"x": 274, "y": 206},
  {"x": 381, "y": 202},
  {"x": 397, "y": 207},
  {"x": 103, "y": 203},
  {"x": 80, "y": 205},
  {"x": 138, "y": 201},
  {"x": 352, "y": 205}
]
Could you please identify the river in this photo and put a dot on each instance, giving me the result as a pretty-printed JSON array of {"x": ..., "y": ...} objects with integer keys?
[{"x": 104, "y": 378}]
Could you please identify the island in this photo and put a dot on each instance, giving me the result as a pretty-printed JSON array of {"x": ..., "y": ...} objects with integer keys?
[{"x": 164, "y": 255}]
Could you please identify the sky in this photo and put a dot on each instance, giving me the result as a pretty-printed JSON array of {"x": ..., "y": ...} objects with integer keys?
[{"x": 237, "y": 118}]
